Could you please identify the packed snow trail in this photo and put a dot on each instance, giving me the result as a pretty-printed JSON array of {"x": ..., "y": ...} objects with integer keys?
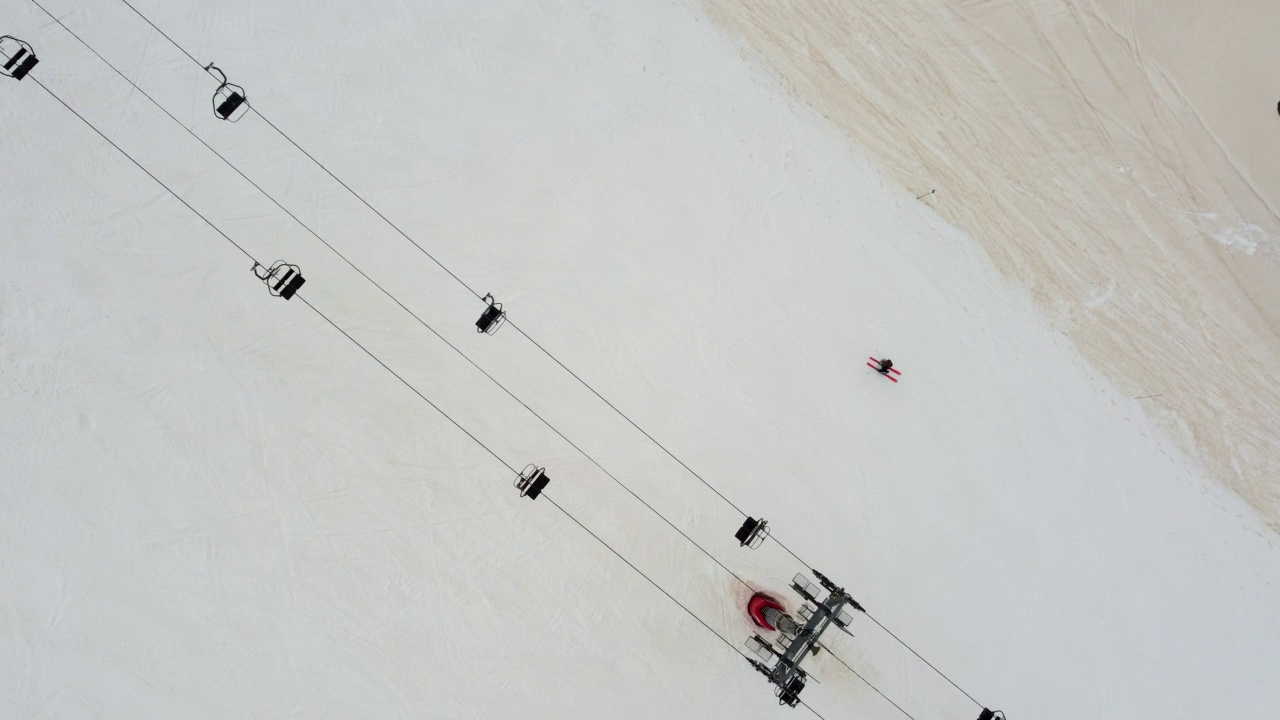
[{"x": 202, "y": 466}]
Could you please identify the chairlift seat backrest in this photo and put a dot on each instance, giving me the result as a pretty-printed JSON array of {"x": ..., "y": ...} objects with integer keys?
[
  {"x": 807, "y": 590},
  {"x": 843, "y": 618},
  {"x": 289, "y": 283},
  {"x": 20, "y": 64},
  {"x": 25, "y": 67},
  {"x": 22, "y": 60},
  {"x": 292, "y": 286},
  {"x": 753, "y": 532},
  {"x": 289, "y": 273},
  {"x": 535, "y": 487},
  {"x": 282, "y": 279},
  {"x": 531, "y": 481},
  {"x": 488, "y": 318},
  {"x": 761, "y": 648},
  {"x": 230, "y": 103}
]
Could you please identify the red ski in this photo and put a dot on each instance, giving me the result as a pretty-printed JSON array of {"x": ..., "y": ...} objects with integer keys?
[{"x": 876, "y": 367}]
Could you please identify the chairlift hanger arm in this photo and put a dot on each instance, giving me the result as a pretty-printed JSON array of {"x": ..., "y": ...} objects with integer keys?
[{"x": 221, "y": 76}]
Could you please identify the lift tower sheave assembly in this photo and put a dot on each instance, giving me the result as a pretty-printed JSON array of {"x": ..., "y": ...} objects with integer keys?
[{"x": 782, "y": 665}]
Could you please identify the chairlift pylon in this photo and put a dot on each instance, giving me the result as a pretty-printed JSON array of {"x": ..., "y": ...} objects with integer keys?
[
  {"x": 282, "y": 279},
  {"x": 229, "y": 101},
  {"x": 16, "y": 57},
  {"x": 752, "y": 533},
  {"x": 531, "y": 481},
  {"x": 492, "y": 317}
]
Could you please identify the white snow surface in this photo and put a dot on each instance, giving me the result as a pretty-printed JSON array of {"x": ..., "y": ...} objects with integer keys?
[{"x": 215, "y": 505}]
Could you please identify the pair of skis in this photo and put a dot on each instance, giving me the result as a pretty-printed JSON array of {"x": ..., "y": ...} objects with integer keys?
[{"x": 875, "y": 365}]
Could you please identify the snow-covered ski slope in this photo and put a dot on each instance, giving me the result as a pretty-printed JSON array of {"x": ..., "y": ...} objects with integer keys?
[
  {"x": 1117, "y": 158},
  {"x": 213, "y": 504}
]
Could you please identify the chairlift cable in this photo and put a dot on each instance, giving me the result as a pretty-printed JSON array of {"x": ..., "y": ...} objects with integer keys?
[
  {"x": 392, "y": 297},
  {"x": 319, "y": 164},
  {"x": 664, "y": 591},
  {"x": 583, "y": 382},
  {"x": 143, "y": 169},
  {"x": 398, "y": 302},
  {"x": 247, "y": 254},
  {"x": 157, "y": 29},
  {"x": 808, "y": 707},
  {"x": 415, "y": 390},
  {"x": 397, "y": 375},
  {"x": 624, "y": 416},
  {"x": 311, "y": 157},
  {"x": 442, "y": 266},
  {"x": 868, "y": 683},
  {"x": 926, "y": 662},
  {"x": 549, "y": 499},
  {"x": 362, "y": 347}
]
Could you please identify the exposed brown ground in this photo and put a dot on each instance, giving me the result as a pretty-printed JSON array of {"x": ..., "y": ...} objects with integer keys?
[{"x": 1133, "y": 196}]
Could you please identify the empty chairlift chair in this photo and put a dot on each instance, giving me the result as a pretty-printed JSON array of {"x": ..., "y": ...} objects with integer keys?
[
  {"x": 764, "y": 650},
  {"x": 282, "y": 279},
  {"x": 752, "y": 533},
  {"x": 790, "y": 695},
  {"x": 16, "y": 57},
  {"x": 492, "y": 317},
  {"x": 531, "y": 481},
  {"x": 229, "y": 101}
]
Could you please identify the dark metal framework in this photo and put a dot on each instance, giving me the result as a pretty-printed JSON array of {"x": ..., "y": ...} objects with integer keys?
[{"x": 782, "y": 664}]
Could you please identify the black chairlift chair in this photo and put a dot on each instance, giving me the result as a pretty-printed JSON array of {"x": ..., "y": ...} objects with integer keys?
[
  {"x": 17, "y": 56},
  {"x": 752, "y": 533},
  {"x": 492, "y": 318},
  {"x": 790, "y": 695},
  {"x": 282, "y": 279},
  {"x": 990, "y": 714},
  {"x": 531, "y": 481},
  {"x": 229, "y": 101}
]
